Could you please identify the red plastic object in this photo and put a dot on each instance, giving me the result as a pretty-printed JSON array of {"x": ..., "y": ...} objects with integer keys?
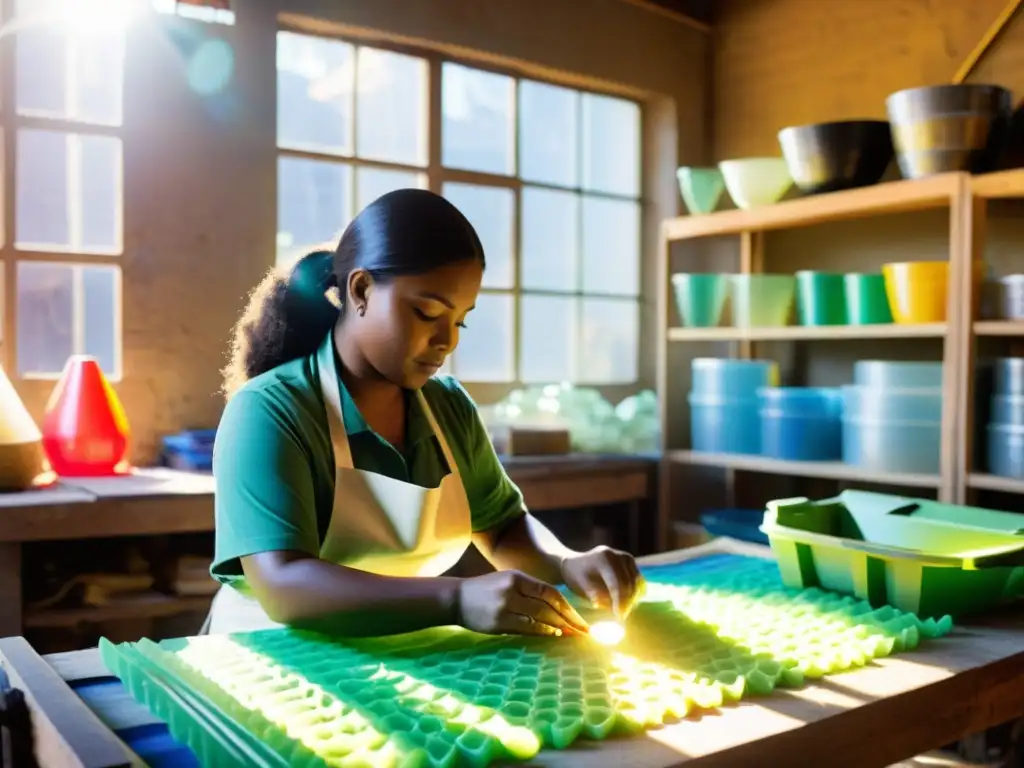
[{"x": 85, "y": 431}]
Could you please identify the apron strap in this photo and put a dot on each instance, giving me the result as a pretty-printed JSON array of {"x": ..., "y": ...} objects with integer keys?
[
  {"x": 438, "y": 433},
  {"x": 329, "y": 378}
]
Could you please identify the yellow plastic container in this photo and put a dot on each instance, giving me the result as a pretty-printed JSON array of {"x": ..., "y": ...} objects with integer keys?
[{"x": 917, "y": 291}]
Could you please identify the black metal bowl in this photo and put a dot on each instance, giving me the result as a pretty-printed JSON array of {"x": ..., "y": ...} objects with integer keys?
[
  {"x": 826, "y": 157},
  {"x": 949, "y": 128}
]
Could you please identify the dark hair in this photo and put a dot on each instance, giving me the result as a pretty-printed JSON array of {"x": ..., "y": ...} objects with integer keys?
[{"x": 406, "y": 232}]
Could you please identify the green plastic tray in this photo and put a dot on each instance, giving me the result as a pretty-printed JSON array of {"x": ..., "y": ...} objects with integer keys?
[
  {"x": 917, "y": 555},
  {"x": 710, "y": 632}
]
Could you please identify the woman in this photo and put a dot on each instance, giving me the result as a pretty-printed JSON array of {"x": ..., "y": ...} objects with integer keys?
[{"x": 348, "y": 480}]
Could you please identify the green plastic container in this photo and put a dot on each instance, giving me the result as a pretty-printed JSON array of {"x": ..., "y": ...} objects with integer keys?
[
  {"x": 762, "y": 301},
  {"x": 700, "y": 298},
  {"x": 866, "y": 300},
  {"x": 820, "y": 298},
  {"x": 913, "y": 554},
  {"x": 701, "y": 188}
]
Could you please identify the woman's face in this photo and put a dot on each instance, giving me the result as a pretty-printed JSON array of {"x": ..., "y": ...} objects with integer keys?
[{"x": 411, "y": 324}]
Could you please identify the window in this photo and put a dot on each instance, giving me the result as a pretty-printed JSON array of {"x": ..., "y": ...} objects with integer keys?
[
  {"x": 63, "y": 247},
  {"x": 548, "y": 175},
  {"x": 212, "y": 11}
]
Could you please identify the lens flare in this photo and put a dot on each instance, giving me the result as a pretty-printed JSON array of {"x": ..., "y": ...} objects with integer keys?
[{"x": 607, "y": 632}]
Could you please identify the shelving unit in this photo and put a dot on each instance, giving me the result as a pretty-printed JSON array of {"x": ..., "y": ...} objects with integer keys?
[{"x": 965, "y": 197}]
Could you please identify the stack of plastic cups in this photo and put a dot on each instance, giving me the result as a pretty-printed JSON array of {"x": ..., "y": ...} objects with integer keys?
[
  {"x": 892, "y": 417},
  {"x": 1006, "y": 426},
  {"x": 724, "y": 415}
]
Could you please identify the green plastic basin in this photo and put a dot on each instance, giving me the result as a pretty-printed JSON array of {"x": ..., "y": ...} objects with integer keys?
[
  {"x": 701, "y": 188},
  {"x": 700, "y": 298},
  {"x": 821, "y": 299},
  {"x": 900, "y": 551},
  {"x": 762, "y": 301},
  {"x": 866, "y": 300}
]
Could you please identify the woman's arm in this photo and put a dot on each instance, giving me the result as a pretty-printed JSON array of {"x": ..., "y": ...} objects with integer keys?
[
  {"x": 524, "y": 544},
  {"x": 306, "y": 592}
]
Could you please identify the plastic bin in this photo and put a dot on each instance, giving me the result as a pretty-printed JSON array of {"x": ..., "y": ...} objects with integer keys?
[
  {"x": 872, "y": 404},
  {"x": 1012, "y": 295},
  {"x": 742, "y": 524},
  {"x": 801, "y": 401},
  {"x": 732, "y": 379},
  {"x": 892, "y": 446},
  {"x": 700, "y": 298},
  {"x": 189, "y": 451},
  {"x": 1007, "y": 410},
  {"x": 866, "y": 545},
  {"x": 821, "y": 298},
  {"x": 891, "y": 374},
  {"x": 1008, "y": 376},
  {"x": 801, "y": 438},
  {"x": 762, "y": 301},
  {"x": 724, "y": 426},
  {"x": 866, "y": 301},
  {"x": 1006, "y": 451}
]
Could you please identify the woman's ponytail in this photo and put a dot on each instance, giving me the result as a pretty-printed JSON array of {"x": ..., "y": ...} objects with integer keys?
[{"x": 287, "y": 316}]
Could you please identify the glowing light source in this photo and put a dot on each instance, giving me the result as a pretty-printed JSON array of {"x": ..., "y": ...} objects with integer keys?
[
  {"x": 77, "y": 17},
  {"x": 607, "y": 632}
]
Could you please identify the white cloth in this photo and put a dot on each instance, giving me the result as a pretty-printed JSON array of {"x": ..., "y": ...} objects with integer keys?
[{"x": 378, "y": 524}]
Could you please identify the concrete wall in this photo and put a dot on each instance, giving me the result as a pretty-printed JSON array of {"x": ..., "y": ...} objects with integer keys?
[{"x": 200, "y": 188}]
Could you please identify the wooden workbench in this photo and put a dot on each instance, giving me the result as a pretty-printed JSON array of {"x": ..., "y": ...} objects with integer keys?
[
  {"x": 875, "y": 716},
  {"x": 157, "y": 502}
]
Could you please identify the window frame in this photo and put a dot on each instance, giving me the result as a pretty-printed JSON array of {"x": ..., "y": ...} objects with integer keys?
[
  {"x": 437, "y": 174},
  {"x": 11, "y": 123}
]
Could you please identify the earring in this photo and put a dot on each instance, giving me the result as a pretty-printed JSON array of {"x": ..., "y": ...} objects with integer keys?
[{"x": 361, "y": 310}]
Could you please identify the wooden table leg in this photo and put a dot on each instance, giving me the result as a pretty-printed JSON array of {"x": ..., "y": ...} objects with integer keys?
[{"x": 10, "y": 589}]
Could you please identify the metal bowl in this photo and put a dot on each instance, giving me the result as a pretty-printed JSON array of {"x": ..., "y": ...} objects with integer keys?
[
  {"x": 825, "y": 157},
  {"x": 949, "y": 128}
]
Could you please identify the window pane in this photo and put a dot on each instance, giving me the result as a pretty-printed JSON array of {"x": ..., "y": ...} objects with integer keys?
[
  {"x": 611, "y": 246},
  {"x": 611, "y": 145},
  {"x": 609, "y": 342},
  {"x": 315, "y": 83},
  {"x": 68, "y": 76},
  {"x": 66, "y": 309},
  {"x": 477, "y": 125},
  {"x": 485, "y": 351},
  {"x": 392, "y": 107},
  {"x": 371, "y": 183},
  {"x": 548, "y": 131},
  {"x": 547, "y": 336},
  {"x": 550, "y": 242},
  {"x": 68, "y": 192},
  {"x": 314, "y": 205},
  {"x": 491, "y": 211}
]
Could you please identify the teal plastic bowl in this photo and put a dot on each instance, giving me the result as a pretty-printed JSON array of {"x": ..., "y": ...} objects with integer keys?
[
  {"x": 701, "y": 188},
  {"x": 700, "y": 298}
]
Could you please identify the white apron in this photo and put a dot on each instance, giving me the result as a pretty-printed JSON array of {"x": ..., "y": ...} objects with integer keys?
[{"x": 378, "y": 524}]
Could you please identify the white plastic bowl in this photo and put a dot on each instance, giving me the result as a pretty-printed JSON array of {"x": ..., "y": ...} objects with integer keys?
[{"x": 756, "y": 181}]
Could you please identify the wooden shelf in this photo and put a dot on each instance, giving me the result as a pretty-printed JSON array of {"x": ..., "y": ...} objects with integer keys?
[
  {"x": 797, "y": 332},
  {"x": 148, "y": 606},
  {"x": 889, "y": 198},
  {"x": 1004, "y": 184},
  {"x": 999, "y": 328},
  {"x": 995, "y": 483},
  {"x": 834, "y": 470}
]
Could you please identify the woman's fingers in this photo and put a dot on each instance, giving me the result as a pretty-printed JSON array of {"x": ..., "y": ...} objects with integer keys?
[
  {"x": 519, "y": 624},
  {"x": 551, "y": 602}
]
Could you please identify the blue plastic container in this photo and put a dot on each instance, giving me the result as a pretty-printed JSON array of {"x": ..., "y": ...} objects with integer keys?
[
  {"x": 724, "y": 378},
  {"x": 874, "y": 404},
  {"x": 801, "y": 438},
  {"x": 718, "y": 425},
  {"x": 1008, "y": 410},
  {"x": 189, "y": 451},
  {"x": 800, "y": 401},
  {"x": 1006, "y": 451},
  {"x": 892, "y": 446},
  {"x": 742, "y": 524},
  {"x": 1008, "y": 376},
  {"x": 890, "y": 374}
]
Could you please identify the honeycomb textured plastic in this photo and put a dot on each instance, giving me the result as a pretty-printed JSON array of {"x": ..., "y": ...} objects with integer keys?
[{"x": 710, "y": 631}]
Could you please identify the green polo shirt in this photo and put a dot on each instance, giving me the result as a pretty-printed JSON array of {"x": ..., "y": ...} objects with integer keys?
[{"x": 274, "y": 465}]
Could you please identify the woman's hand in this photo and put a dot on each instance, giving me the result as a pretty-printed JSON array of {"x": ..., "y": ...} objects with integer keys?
[
  {"x": 509, "y": 602},
  {"x": 608, "y": 578}
]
